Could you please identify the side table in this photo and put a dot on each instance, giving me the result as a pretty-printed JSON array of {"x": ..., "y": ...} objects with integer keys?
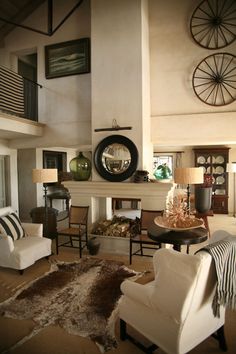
[
  {"x": 49, "y": 225},
  {"x": 177, "y": 238}
]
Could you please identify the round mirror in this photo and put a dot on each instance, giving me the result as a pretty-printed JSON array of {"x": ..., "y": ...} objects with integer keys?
[{"x": 116, "y": 158}]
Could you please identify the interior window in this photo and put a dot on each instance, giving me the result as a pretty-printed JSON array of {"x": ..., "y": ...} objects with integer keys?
[{"x": 161, "y": 160}]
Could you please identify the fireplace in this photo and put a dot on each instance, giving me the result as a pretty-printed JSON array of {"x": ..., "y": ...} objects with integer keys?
[
  {"x": 98, "y": 195},
  {"x": 117, "y": 226}
]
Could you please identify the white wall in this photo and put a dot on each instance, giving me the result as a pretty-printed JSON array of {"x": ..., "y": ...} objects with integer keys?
[
  {"x": 117, "y": 69},
  {"x": 13, "y": 176},
  {"x": 178, "y": 116},
  {"x": 64, "y": 103}
]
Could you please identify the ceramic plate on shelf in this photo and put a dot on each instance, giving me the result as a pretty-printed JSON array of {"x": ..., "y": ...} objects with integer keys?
[
  {"x": 219, "y": 169},
  {"x": 219, "y": 159},
  {"x": 220, "y": 192},
  {"x": 163, "y": 222},
  {"x": 201, "y": 159},
  {"x": 220, "y": 180},
  {"x": 208, "y": 170}
]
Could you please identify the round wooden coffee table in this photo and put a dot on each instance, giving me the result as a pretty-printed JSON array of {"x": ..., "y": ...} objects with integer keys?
[{"x": 177, "y": 238}]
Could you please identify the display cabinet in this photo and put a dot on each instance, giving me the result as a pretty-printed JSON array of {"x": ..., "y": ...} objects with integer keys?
[{"x": 214, "y": 162}]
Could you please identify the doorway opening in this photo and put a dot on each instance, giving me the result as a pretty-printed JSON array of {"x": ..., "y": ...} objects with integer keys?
[
  {"x": 27, "y": 68},
  {"x": 4, "y": 181}
]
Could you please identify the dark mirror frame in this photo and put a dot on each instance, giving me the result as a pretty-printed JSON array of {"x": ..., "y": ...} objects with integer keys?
[{"x": 118, "y": 139}]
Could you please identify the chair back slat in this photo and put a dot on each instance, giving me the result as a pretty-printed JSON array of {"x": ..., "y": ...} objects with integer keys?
[
  {"x": 78, "y": 215},
  {"x": 147, "y": 217}
]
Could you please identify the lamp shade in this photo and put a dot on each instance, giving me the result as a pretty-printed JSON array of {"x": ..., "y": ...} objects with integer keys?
[
  {"x": 231, "y": 167},
  {"x": 188, "y": 175},
  {"x": 44, "y": 175}
]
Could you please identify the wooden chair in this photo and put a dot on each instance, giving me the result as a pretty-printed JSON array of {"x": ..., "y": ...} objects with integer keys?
[
  {"x": 144, "y": 242},
  {"x": 77, "y": 230}
]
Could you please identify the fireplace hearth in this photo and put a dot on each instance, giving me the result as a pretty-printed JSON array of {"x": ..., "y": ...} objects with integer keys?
[{"x": 118, "y": 226}]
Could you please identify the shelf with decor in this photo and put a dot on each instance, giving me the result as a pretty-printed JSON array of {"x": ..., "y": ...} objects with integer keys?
[{"x": 214, "y": 162}]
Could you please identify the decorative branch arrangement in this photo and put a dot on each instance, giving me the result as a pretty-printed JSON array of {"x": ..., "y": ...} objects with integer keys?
[{"x": 177, "y": 216}]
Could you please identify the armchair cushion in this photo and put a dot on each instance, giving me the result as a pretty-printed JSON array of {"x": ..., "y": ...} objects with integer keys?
[
  {"x": 138, "y": 292},
  {"x": 183, "y": 267},
  {"x": 6, "y": 244},
  {"x": 10, "y": 225},
  {"x": 32, "y": 229},
  {"x": 19, "y": 252}
]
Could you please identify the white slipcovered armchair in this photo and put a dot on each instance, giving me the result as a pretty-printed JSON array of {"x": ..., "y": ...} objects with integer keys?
[
  {"x": 25, "y": 251},
  {"x": 174, "y": 311}
]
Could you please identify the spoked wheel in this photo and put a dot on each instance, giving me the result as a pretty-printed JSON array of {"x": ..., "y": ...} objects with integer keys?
[
  {"x": 214, "y": 79},
  {"x": 213, "y": 23}
]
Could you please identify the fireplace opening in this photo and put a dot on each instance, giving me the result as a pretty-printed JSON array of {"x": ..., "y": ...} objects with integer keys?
[
  {"x": 122, "y": 222},
  {"x": 128, "y": 203},
  {"x": 118, "y": 226}
]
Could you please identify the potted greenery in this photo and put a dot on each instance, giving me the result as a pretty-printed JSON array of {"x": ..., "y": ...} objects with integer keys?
[{"x": 162, "y": 172}]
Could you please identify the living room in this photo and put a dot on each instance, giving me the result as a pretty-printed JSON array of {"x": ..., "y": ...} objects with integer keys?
[{"x": 142, "y": 60}]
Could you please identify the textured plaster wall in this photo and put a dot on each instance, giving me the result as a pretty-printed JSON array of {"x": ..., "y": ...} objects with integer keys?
[
  {"x": 64, "y": 103},
  {"x": 120, "y": 70},
  {"x": 178, "y": 116},
  {"x": 12, "y": 173}
]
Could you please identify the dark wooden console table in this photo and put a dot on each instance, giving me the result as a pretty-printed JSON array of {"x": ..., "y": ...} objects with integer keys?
[
  {"x": 64, "y": 196},
  {"x": 177, "y": 238}
]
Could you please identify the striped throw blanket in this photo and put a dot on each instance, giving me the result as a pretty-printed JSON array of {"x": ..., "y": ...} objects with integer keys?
[{"x": 223, "y": 253}]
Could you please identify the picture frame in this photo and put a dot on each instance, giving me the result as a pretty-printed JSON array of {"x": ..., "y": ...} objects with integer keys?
[
  {"x": 67, "y": 58},
  {"x": 55, "y": 159}
]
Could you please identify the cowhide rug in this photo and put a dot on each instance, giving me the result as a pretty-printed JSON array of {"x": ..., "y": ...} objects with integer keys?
[{"x": 80, "y": 297}]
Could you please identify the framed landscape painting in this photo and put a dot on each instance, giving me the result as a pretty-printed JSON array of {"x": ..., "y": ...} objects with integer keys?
[{"x": 67, "y": 58}]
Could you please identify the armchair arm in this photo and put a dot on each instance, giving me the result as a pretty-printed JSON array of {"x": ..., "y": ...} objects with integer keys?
[
  {"x": 137, "y": 292},
  {"x": 6, "y": 244},
  {"x": 32, "y": 229}
]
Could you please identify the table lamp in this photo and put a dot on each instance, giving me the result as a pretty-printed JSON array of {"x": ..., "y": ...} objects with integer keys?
[
  {"x": 187, "y": 176},
  {"x": 231, "y": 168},
  {"x": 45, "y": 175}
]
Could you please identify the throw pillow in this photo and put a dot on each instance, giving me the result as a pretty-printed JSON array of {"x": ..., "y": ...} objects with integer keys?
[{"x": 10, "y": 225}]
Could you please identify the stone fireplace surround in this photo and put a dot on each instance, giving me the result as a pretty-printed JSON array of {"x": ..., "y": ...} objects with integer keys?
[{"x": 98, "y": 194}]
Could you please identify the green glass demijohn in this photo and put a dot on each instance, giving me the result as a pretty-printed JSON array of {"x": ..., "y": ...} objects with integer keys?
[{"x": 80, "y": 167}]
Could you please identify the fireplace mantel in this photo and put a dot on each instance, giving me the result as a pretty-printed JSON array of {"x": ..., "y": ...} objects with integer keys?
[
  {"x": 93, "y": 193},
  {"x": 117, "y": 189}
]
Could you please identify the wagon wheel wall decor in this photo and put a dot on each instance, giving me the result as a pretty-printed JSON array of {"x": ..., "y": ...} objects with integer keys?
[
  {"x": 213, "y": 23},
  {"x": 214, "y": 79}
]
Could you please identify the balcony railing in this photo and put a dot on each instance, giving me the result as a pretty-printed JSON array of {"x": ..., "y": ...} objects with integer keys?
[{"x": 18, "y": 95}]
